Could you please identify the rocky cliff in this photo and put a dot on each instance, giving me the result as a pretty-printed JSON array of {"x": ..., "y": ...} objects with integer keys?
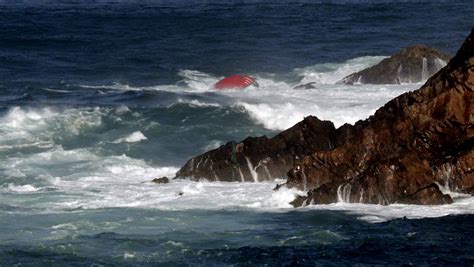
[
  {"x": 412, "y": 148},
  {"x": 413, "y": 64},
  {"x": 261, "y": 158}
]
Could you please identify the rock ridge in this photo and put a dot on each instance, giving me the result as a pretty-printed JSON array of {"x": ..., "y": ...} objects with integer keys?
[
  {"x": 257, "y": 159},
  {"x": 410, "y": 149}
]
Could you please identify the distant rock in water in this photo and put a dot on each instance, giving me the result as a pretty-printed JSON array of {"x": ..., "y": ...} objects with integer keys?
[
  {"x": 413, "y": 64},
  {"x": 414, "y": 148},
  {"x": 260, "y": 158},
  {"x": 310, "y": 85},
  {"x": 162, "y": 180}
]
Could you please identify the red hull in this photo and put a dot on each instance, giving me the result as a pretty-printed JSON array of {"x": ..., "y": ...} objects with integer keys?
[{"x": 235, "y": 82}]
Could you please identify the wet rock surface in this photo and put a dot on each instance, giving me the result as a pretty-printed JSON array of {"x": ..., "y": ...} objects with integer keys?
[
  {"x": 415, "y": 145},
  {"x": 261, "y": 158},
  {"x": 413, "y": 64}
]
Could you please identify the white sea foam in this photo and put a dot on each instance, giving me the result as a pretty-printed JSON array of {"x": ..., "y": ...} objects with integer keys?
[
  {"x": 275, "y": 117},
  {"x": 20, "y": 118},
  {"x": 213, "y": 145},
  {"x": 277, "y": 106},
  {"x": 129, "y": 186},
  {"x": 282, "y": 198},
  {"x": 116, "y": 86},
  {"x": 331, "y": 73},
  {"x": 127, "y": 87},
  {"x": 95, "y": 182},
  {"x": 379, "y": 213},
  {"x": 198, "y": 81},
  {"x": 281, "y": 108},
  {"x": 36, "y": 127},
  {"x": 197, "y": 103},
  {"x": 132, "y": 138},
  {"x": 122, "y": 110},
  {"x": 57, "y": 90},
  {"x": 22, "y": 188},
  {"x": 25, "y": 128},
  {"x": 129, "y": 255}
]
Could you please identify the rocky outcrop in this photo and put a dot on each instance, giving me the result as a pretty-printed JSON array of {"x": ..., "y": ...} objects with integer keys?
[
  {"x": 411, "y": 149},
  {"x": 261, "y": 158},
  {"x": 161, "y": 180},
  {"x": 413, "y": 64}
]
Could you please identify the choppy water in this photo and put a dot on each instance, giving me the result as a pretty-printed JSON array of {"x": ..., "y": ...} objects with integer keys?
[{"x": 97, "y": 99}]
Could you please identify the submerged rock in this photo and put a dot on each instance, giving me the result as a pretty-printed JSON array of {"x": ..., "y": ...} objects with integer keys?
[
  {"x": 413, "y": 64},
  {"x": 415, "y": 145},
  {"x": 305, "y": 86},
  {"x": 162, "y": 180},
  {"x": 261, "y": 158}
]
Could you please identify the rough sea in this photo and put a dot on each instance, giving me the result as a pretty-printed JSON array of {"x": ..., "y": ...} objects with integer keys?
[{"x": 97, "y": 98}]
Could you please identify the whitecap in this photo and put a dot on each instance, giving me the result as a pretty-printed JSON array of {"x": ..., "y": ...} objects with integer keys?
[
  {"x": 132, "y": 138},
  {"x": 22, "y": 188},
  {"x": 197, "y": 103},
  {"x": 331, "y": 73}
]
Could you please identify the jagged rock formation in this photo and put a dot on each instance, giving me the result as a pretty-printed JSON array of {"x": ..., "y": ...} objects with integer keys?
[
  {"x": 261, "y": 158},
  {"x": 413, "y": 64},
  {"x": 415, "y": 145}
]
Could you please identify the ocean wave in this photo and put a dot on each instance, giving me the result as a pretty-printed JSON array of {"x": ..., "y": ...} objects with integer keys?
[
  {"x": 331, "y": 73},
  {"x": 276, "y": 105},
  {"x": 378, "y": 213},
  {"x": 21, "y": 188},
  {"x": 126, "y": 186},
  {"x": 132, "y": 138},
  {"x": 197, "y": 103},
  {"x": 98, "y": 182},
  {"x": 200, "y": 82}
]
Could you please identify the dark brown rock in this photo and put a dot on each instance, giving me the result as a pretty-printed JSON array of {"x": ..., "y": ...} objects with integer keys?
[
  {"x": 261, "y": 158},
  {"x": 162, "y": 180},
  {"x": 430, "y": 195},
  {"x": 413, "y": 64},
  {"x": 401, "y": 154}
]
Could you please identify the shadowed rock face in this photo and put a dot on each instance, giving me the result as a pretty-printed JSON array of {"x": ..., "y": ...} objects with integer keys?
[
  {"x": 416, "y": 144},
  {"x": 261, "y": 158},
  {"x": 413, "y": 64}
]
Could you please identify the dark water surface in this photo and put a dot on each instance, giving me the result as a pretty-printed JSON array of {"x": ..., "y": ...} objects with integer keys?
[{"x": 240, "y": 237}]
